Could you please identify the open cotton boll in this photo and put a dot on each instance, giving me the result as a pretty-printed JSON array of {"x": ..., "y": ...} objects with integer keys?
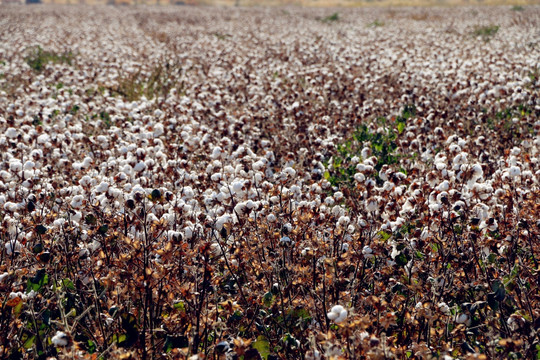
[
  {"x": 237, "y": 186},
  {"x": 338, "y": 314},
  {"x": 60, "y": 339},
  {"x": 15, "y": 165},
  {"x": 188, "y": 232},
  {"x": 289, "y": 171},
  {"x": 258, "y": 165},
  {"x": 477, "y": 171},
  {"x": 3, "y": 276},
  {"x": 344, "y": 220},
  {"x": 367, "y": 252},
  {"x": 140, "y": 166},
  {"x": 29, "y": 165},
  {"x": 514, "y": 171},
  {"x": 13, "y": 246},
  {"x": 11, "y": 133},
  {"x": 102, "y": 187},
  {"x": 359, "y": 177},
  {"x": 77, "y": 201},
  {"x": 222, "y": 220},
  {"x": 158, "y": 129},
  {"x": 462, "y": 318}
]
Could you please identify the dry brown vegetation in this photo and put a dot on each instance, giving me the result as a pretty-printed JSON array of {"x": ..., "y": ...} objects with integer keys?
[{"x": 274, "y": 183}]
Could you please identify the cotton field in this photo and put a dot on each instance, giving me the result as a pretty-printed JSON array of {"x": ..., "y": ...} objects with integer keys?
[{"x": 269, "y": 183}]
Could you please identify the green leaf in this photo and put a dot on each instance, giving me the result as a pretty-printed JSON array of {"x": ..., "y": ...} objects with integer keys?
[
  {"x": 155, "y": 195},
  {"x": 91, "y": 347},
  {"x": 173, "y": 342},
  {"x": 103, "y": 229},
  {"x": 40, "y": 229},
  {"x": 401, "y": 259},
  {"x": 302, "y": 314},
  {"x": 262, "y": 346},
  {"x": 179, "y": 305},
  {"x": 400, "y": 127},
  {"x": 326, "y": 175},
  {"x": 384, "y": 235},
  {"x": 498, "y": 290},
  {"x": 267, "y": 299},
  {"x": 90, "y": 219},
  {"x": 492, "y": 302},
  {"x": 38, "y": 281},
  {"x": 29, "y": 342},
  {"x": 68, "y": 284},
  {"x": 236, "y": 316},
  {"x": 37, "y": 248},
  {"x": 18, "y": 308}
]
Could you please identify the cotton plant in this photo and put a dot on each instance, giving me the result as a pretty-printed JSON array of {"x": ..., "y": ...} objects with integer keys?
[{"x": 218, "y": 187}]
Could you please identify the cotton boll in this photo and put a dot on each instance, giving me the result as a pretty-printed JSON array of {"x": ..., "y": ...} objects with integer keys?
[
  {"x": 338, "y": 314},
  {"x": 58, "y": 223},
  {"x": 372, "y": 206},
  {"x": 102, "y": 187},
  {"x": 60, "y": 339},
  {"x": 258, "y": 165},
  {"x": 15, "y": 165},
  {"x": 237, "y": 186},
  {"x": 444, "y": 186},
  {"x": 85, "y": 181},
  {"x": 216, "y": 153},
  {"x": 11, "y": 133},
  {"x": 515, "y": 151},
  {"x": 514, "y": 171},
  {"x": 158, "y": 129},
  {"x": 77, "y": 216},
  {"x": 344, "y": 220},
  {"x": 222, "y": 220},
  {"x": 388, "y": 186},
  {"x": 285, "y": 241},
  {"x": 462, "y": 318},
  {"x": 13, "y": 246},
  {"x": 338, "y": 211},
  {"x": 140, "y": 166},
  {"x": 477, "y": 171},
  {"x": 77, "y": 201},
  {"x": 367, "y": 252},
  {"x": 29, "y": 165},
  {"x": 290, "y": 172},
  {"x": 359, "y": 177},
  {"x": 445, "y": 309},
  {"x": 3, "y": 277}
]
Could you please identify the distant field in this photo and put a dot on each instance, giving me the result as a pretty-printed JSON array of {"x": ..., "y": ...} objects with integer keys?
[{"x": 303, "y": 3}]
